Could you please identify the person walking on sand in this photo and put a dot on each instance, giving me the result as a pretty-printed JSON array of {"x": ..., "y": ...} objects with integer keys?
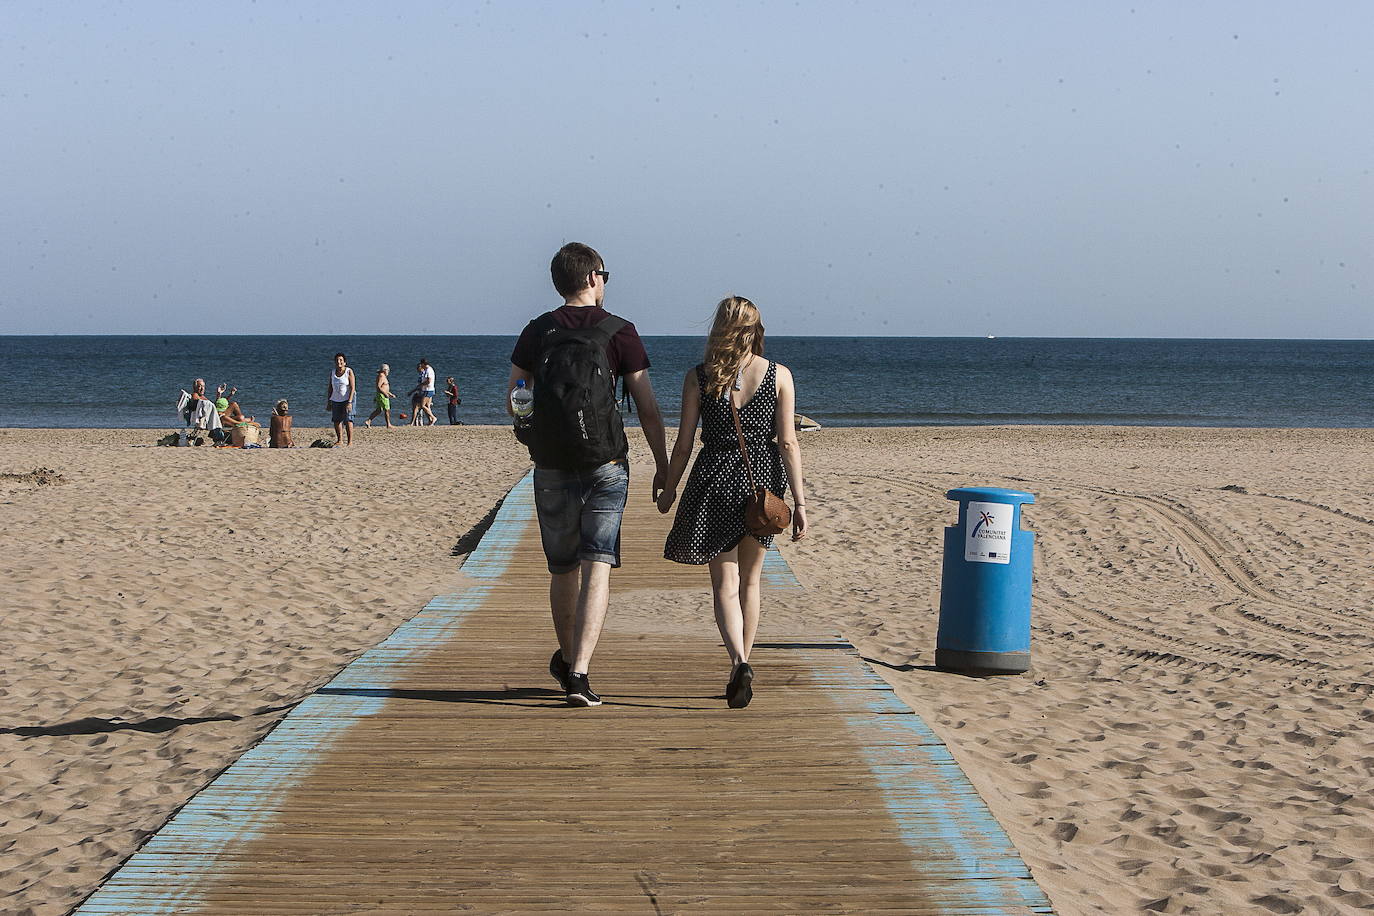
[
  {"x": 451, "y": 389},
  {"x": 339, "y": 406},
  {"x": 422, "y": 396},
  {"x": 382, "y": 399},
  {"x": 709, "y": 525},
  {"x": 427, "y": 388},
  {"x": 580, "y": 453}
]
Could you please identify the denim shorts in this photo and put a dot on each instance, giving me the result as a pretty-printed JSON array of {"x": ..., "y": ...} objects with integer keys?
[
  {"x": 579, "y": 514},
  {"x": 339, "y": 411}
]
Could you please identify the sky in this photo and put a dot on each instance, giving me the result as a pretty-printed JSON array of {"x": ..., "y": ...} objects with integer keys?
[{"x": 1018, "y": 168}]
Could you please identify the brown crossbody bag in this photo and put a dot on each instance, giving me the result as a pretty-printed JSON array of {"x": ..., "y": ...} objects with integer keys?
[{"x": 764, "y": 511}]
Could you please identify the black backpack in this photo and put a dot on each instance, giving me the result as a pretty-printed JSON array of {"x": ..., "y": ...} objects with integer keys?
[{"x": 576, "y": 424}]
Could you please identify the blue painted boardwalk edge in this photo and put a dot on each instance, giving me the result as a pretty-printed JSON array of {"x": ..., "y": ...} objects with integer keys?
[{"x": 941, "y": 818}]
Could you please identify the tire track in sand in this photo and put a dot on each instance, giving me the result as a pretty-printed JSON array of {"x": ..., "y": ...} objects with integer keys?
[
  {"x": 1236, "y": 578},
  {"x": 1100, "y": 618}
]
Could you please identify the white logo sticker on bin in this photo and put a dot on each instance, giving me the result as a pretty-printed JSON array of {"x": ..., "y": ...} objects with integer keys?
[{"x": 987, "y": 532}]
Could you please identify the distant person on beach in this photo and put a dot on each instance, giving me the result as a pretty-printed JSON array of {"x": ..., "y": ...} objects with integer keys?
[
  {"x": 709, "y": 526},
  {"x": 197, "y": 394},
  {"x": 581, "y": 457},
  {"x": 279, "y": 432},
  {"x": 231, "y": 414},
  {"x": 427, "y": 388},
  {"x": 451, "y": 389},
  {"x": 342, "y": 388},
  {"x": 204, "y": 412},
  {"x": 422, "y": 396},
  {"x": 382, "y": 399}
]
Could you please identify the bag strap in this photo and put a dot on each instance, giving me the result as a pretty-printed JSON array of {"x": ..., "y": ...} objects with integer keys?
[
  {"x": 609, "y": 326},
  {"x": 743, "y": 448}
]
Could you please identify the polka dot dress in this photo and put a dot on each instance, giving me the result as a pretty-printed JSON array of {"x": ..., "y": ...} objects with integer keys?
[{"x": 710, "y": 515}]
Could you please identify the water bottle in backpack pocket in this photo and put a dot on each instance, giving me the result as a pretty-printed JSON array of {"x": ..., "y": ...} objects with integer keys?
[{"x": 522, "y": 407}]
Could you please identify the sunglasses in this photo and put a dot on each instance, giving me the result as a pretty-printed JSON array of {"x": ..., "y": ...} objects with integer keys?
[{"x": 605, "y": 275}]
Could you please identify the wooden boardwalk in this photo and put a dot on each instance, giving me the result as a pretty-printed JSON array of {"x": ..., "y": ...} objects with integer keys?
[{"x": 441, "y": 772}]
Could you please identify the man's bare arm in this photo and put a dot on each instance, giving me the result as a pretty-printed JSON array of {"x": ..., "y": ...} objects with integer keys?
[{"x": 651, "y": 421}]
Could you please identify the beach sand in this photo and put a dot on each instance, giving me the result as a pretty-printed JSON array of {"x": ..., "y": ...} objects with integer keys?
[{"x": 1193, "y": 737}]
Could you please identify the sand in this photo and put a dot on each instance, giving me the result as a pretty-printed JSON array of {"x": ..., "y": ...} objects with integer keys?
[{"x": 1193, "y": 737}]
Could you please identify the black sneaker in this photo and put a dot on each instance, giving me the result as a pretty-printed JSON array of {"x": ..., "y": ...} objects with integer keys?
[
  {"x": 579, "y": 692},
  {"x": 740, "y": 691},
  {"x": 559, "y": 669}
]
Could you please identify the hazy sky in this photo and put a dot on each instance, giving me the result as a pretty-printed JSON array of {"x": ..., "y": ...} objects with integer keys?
[{"x": 1021, "y": 168}]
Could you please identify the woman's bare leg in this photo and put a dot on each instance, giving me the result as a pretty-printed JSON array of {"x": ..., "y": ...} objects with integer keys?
[
  {"x": 725, "y": 594},
  {"x": 750, "y": 565}
]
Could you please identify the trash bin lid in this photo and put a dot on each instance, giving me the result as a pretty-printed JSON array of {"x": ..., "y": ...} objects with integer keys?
[{"x": 991, "y": 495}]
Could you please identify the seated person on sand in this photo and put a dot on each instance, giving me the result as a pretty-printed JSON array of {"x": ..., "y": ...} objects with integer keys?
[
  {"x": 199, "y": 412},
  {"x": 230, "y": 414},
  {"x": 279, "y": 435},
  {"x": 197, "y": 394}
]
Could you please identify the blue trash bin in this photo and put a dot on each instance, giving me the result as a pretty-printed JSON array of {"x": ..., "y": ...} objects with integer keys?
[{"x": 985, "y": 586}]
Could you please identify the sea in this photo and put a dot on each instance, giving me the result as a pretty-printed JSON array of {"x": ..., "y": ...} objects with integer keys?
[{"x": 134, "y": 381}]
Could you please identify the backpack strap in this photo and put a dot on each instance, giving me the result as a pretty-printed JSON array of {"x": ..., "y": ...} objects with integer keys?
[
  {"x": 544, "y": 324},
  {"x": 608, "y": 327}
]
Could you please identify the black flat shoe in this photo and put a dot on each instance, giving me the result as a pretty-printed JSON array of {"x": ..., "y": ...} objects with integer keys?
[{"x": 740, "y": 691}]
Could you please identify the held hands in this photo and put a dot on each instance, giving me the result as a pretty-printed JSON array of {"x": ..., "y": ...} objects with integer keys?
[
  {"x": 660, "y": 478},
  {"x": 666, "y": 500},
  {"x": 798, "y": 523}
]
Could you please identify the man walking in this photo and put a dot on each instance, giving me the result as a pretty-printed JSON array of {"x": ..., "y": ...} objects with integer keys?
[{"x": 571, "y": 358}]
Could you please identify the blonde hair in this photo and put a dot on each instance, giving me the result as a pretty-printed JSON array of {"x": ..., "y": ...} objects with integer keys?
[
  {"x": 736, "y": 333},
  {"x": 281, "y": 407}
]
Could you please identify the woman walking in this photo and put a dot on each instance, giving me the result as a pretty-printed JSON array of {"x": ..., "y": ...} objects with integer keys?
[
  {"x": 709, "y": 526},
  {"x": 382, "y": 399},
  {"x": 342, "y": 388},
  {"x": 451, "y": 389}
]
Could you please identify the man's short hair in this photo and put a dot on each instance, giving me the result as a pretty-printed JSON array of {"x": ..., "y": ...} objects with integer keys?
[{"x": 571, "y": 266}]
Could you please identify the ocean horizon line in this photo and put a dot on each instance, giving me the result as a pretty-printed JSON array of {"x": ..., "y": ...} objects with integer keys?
[{"x": 513, "y": 334}]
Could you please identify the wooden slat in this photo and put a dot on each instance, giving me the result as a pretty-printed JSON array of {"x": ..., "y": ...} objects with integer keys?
[{"x": 441, "y": 772}]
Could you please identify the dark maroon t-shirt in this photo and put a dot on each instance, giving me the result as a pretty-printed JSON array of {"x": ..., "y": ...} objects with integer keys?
[{"x": 625, "y": 352}]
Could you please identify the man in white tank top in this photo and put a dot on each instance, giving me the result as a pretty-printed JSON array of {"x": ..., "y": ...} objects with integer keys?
[{"x": 340, "y": 393}]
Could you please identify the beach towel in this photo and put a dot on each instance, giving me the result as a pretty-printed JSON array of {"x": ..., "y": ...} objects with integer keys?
[{"x": 204, "y": 416}]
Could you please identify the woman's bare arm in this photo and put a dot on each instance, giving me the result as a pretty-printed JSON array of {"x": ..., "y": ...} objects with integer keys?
[
  {"x": 786, "y": 429},
  {"x": 682, "y": 448}
]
